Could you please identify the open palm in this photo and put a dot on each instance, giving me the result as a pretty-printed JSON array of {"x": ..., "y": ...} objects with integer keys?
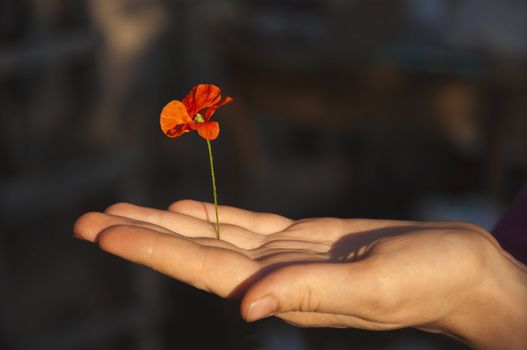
[{"x": 372, "y": 274}]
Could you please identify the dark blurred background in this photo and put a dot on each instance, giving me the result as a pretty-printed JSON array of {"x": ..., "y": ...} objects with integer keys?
[{"x": 411, "y": 109}]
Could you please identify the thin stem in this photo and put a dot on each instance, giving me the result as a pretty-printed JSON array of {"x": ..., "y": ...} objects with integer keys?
[{"x": 214, "y": 191}]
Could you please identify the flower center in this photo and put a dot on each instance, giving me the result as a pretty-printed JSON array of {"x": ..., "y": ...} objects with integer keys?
[{"x": 199, "y": 118}]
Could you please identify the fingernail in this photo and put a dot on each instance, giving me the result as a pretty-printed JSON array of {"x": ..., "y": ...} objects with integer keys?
[{"x": 262, "y": 308}]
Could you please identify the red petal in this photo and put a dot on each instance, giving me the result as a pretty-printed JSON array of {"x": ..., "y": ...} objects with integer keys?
[
  {"x": 213, "y": 109},
  {"x": 207, "y": 130},
  {"x": 202, "y": 96},
  {"x": 179, "y": 130},
  {"x": 175, "y": 119}
]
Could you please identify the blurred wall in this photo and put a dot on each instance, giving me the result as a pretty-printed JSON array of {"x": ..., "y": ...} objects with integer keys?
[{"x": 386, "y": 109}]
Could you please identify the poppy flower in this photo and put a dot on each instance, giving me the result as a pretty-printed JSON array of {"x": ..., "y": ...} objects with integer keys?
[{"x": 194, "y": 113}]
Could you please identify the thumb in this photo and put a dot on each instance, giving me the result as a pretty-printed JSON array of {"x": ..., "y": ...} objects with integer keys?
[{"x": 319, "y": 287}]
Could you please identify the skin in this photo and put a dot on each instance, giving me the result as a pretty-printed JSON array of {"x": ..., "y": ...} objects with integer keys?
[{"x": 447, "y": 277}]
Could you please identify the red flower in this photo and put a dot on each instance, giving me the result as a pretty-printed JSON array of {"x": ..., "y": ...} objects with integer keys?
[{"x": 194, "y": 113}]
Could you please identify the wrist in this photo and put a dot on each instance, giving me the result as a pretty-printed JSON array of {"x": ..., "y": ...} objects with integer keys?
[{"x": 494, "y": 315}]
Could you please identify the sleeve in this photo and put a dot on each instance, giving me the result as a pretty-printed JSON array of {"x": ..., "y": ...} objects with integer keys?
[{"x": 511, "y": 230}]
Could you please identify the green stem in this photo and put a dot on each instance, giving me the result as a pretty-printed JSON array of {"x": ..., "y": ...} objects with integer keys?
[{"x": 214, "y": 191}]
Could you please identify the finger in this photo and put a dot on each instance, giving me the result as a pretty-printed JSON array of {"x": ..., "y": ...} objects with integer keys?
[
  {"x": 319, "y": 319},
  {"x": 212, "y": 269},
  {"x": 351, "y": 289},
  {"x": 89, "y": 225},
  {"x": 187, "y": 225},
  {"x": 262, "y": 223}
]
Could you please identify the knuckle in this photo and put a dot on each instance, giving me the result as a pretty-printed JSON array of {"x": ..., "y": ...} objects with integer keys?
[
  {"x": 302, "y": 294},
  {"x": 309, "y": 301},
  {"x": 201, "y": 277}
]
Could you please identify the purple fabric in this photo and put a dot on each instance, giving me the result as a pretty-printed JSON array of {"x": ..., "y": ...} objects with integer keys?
[{"x": 511, "y": 230}]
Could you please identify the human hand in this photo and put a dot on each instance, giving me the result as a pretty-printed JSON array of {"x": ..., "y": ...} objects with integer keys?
[{"x": 372, "y": 274}]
